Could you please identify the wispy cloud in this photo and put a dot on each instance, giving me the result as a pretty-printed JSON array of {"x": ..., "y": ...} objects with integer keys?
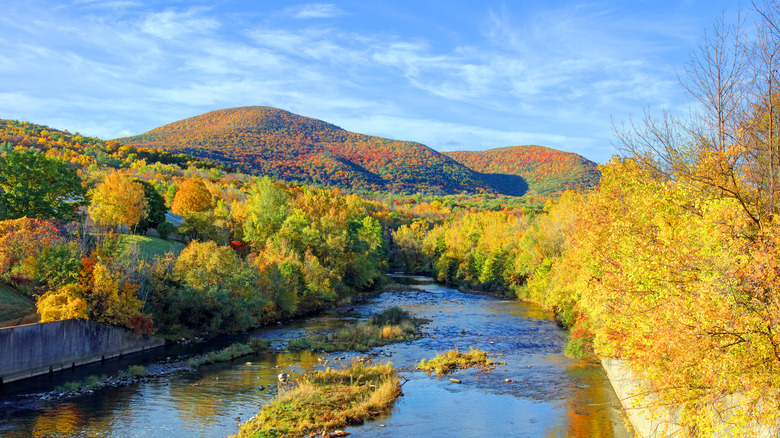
[
  {"x": 550, "y": 77},
  {"x": 171, "y": 24},
  {"x": 315, "y": 10}
]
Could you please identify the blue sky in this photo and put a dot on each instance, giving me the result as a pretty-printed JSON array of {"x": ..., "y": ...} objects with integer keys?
[{"x": 454, "y": 75}]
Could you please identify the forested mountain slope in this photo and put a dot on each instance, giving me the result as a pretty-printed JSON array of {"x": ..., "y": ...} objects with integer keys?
[
  {"x": 275, "y": 142},
  {"x": 545, "y": 170}
]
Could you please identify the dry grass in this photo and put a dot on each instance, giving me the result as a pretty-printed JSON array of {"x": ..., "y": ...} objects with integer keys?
[
  {"x": 325, "y": 401},
  {"x": 391, "y": 331},
  {"x": 392, "y": 325},
  {"x": 447, "y": 362}
]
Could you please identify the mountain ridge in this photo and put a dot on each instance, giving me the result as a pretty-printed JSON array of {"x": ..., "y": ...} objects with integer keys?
[
  {"x": 546, "y": 170},
  {"x": 276, "y": 142},
  {"x": 271, "y": 141}
]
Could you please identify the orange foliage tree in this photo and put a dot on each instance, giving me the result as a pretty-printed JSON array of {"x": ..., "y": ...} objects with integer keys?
[{"x": 192, "y": 197}]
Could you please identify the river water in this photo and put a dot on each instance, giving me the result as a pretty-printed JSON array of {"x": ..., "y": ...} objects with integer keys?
[{"x": 549, "y": 395}]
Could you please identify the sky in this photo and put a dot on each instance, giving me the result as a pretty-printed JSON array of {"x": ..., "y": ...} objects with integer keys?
[{"x": 454, "y": 75}]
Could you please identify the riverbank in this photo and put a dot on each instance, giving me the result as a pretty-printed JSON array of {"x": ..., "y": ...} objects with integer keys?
[
  {"x": 660, "y": 421},
  {"x": 36, "y": 349}
]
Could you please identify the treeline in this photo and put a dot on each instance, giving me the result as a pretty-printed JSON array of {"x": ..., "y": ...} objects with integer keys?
[
  {"x": 259, "y": 251},
  {"x": 84, "y": 151}
]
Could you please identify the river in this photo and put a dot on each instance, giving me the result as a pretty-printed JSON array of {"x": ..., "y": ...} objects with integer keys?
[{"x": 549, "y": 395}]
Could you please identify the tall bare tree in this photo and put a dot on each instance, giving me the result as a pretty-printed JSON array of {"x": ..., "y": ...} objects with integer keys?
[{"x": 728, "y": 144}]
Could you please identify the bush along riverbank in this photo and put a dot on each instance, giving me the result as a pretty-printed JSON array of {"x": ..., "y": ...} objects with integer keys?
[
  {"x": 325, "y": 401},
  {"x": 392, "y": 325}
]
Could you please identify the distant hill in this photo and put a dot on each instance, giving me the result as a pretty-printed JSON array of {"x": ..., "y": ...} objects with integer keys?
[
  {"x": 85, "y": 151},
  {"x": 270, "y": 141},
  {"x": 545, "y": 170}
]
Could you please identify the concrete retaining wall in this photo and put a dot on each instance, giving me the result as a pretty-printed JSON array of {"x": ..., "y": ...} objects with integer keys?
[
  {"x": 647, "y": 423},
  {"x": 35, "y": 349},
  {"x": 660, "y": 422}
]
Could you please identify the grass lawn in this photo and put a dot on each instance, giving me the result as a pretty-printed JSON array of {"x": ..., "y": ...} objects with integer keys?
[
  {"x": 148, "y": 245},
  {"x": 13, "y": 305}
]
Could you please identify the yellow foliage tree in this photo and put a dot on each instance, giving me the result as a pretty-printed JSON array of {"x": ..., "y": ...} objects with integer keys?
[
  {"x": 112, "y": 300},
  {"x": 118, "y": 200},
  {"x": 63, "y": 303}
]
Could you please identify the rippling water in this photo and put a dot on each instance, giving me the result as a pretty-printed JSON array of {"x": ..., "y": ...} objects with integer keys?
[{"x": 549, "y": 396}]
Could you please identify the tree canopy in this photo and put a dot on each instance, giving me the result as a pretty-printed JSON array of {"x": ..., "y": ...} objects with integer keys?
[
  {"x": 118, "y": 200},
  {"x": 36, "y": 186}
]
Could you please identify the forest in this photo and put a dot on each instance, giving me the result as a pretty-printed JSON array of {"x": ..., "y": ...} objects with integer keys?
[
  {"x": 546, "y": 171},
  {"x": 671, "y": 262}
]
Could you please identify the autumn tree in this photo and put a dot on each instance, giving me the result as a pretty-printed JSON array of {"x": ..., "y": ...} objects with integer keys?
[
  {"x": 64, "y": 303},
  {"x": 25, "y": 238},
  {"x": 207, "y": 287},
  {"x": 36, "y": 186},
  {"x": 118, "y": 200},
  {"x": 192, "y": 196},
  {"x": 729, "y": 144},
  {"x": 102, "y": 293}
]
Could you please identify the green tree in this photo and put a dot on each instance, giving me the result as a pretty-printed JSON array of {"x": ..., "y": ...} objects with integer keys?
[
  {"x": 155, "y": 208},
  {"x": 266, "y": 211},
  {"x": 36, "y": 186}
]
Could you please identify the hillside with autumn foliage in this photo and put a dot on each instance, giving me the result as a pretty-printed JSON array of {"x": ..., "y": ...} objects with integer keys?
[
  {"x": 270, "y": 141},
  {"x": 545, "y": 170}
]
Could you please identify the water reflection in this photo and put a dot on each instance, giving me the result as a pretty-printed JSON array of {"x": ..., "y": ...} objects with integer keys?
[
  {"x": 63, "y": 421},
  {"x": 548, "y": 394}
]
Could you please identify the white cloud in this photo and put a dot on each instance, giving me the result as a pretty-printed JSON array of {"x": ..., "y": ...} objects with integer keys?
[
  {"x": 171, "y": 25},
  {"x": 316, "y": 10}
]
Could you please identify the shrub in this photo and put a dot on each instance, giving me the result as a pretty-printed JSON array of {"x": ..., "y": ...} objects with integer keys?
[
  {"x": 446, "y": 363},
  {"x": 392, "y": 325},
  {"x": 137, "y": 371},
  {"x": 165, "y": 229}
]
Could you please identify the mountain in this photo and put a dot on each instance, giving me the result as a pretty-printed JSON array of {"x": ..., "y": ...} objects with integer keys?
[
  {"x": 545, "y": 170},
  {"x": 271, "y": 141}
]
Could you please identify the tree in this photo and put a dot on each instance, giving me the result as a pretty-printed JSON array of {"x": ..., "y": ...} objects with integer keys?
[
  {"x": 192, "y": 197},
  {"x": 266, "y": 211},
  {"x": 729, "y": 145},
  {"x": 36, "y": 186},
  {"x": 101, "y": 294},
  {"x": 63, "y": 303},
  {"x": 24, "y": 238},
  {"x": 118, "y": 200},
  {"x": 212, "y": 289},
  {"x": 155, "y": 208}
]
